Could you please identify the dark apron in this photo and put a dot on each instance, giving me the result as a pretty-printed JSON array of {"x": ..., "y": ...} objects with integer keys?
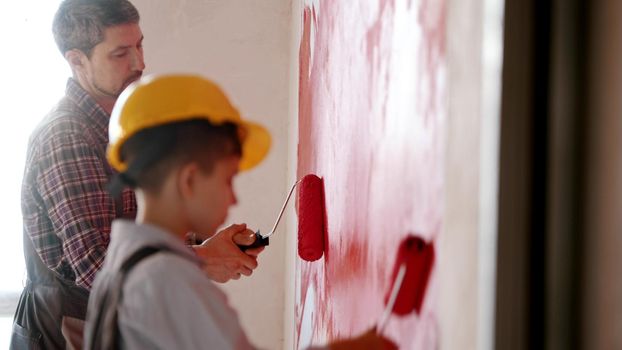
[{"x": 45, "y": 300}]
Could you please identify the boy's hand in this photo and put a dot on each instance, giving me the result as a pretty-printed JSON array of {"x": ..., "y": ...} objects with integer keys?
[
  {"x": 366, "y": 341},
  {"x": 247, "y": 237},
  {"x": 223, "y": 258}
]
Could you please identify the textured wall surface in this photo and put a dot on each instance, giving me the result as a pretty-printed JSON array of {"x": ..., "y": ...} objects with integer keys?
[{"x": 371, "y": 122}]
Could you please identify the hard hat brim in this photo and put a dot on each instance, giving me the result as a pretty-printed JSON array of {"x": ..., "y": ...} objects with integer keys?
[{"x": 255, "y": 145}]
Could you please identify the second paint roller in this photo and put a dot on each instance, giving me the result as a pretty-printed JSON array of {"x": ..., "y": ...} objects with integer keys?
[{"x": 410, "y": 276}]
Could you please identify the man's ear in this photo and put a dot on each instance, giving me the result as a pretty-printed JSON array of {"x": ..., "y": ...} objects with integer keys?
[
  {"x": 187, "y": 178},
  {"x": 75, "y": 58}
]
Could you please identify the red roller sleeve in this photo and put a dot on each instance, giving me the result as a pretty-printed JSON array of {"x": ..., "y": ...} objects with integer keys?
[
  {"x": 418, "y": 256},
  {"x": 311, "y": 228}
]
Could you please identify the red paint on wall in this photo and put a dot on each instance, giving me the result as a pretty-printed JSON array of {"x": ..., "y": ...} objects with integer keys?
[{"x": 371, "y": 124}]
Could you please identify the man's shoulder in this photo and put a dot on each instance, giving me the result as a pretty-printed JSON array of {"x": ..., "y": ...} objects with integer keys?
[{"x": 65, "y": 119}]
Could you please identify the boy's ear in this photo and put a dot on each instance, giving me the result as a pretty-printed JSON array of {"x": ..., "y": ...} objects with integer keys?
[
  {"x": 75, "y": 58},
  {"x": 186, "y": 179}
]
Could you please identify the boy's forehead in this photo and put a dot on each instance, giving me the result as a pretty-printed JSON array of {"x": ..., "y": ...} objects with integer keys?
[
  {"x": 235, "y": 162},
  {"x": 231, "y": 163}
]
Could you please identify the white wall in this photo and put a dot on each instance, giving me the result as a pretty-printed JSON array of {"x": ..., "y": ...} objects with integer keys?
[
  {"x": 245, "y": 46},
  {"x": 291, "y": 250},
  {"x": 467, "y": 247}
]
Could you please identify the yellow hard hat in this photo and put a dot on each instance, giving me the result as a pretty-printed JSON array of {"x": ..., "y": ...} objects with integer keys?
[{"x": 158, "y": 100}]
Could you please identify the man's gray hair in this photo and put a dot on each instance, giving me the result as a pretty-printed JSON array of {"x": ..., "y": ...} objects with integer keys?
[{"x": 80, "y": 24}]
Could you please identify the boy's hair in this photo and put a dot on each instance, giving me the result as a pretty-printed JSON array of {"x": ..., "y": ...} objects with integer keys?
[
  {"x": 80, "y": 24},
  {"x": 163, "y": 148}
]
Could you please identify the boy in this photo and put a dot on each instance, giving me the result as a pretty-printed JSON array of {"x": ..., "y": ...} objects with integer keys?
[{"x": 179, "y": 143}]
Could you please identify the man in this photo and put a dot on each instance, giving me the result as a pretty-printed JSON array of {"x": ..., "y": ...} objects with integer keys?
[{"x": 67, "y": 210}]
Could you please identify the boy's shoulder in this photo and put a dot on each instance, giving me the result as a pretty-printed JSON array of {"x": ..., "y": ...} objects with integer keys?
[
  {"x": 166, "y": 267},
  {"x": 168, "y": 278}
]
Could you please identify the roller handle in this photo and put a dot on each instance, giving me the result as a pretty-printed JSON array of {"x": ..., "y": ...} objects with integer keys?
[{"x": 260, "y": 241}]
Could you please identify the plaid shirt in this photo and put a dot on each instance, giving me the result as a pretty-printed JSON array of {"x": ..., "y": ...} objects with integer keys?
[{"x": 66, "y": 209}]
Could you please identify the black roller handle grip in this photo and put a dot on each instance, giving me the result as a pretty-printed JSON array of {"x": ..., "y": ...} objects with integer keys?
[{"x": 260, "y": 241}]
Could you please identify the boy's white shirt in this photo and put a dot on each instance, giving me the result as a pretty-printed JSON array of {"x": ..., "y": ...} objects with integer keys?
[{"x": 168, "y": 301}]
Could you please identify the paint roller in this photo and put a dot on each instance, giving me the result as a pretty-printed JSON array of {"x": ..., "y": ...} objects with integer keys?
[
  {"x": 410, "y": 276},
  {"x": 311, "y": 219}
]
